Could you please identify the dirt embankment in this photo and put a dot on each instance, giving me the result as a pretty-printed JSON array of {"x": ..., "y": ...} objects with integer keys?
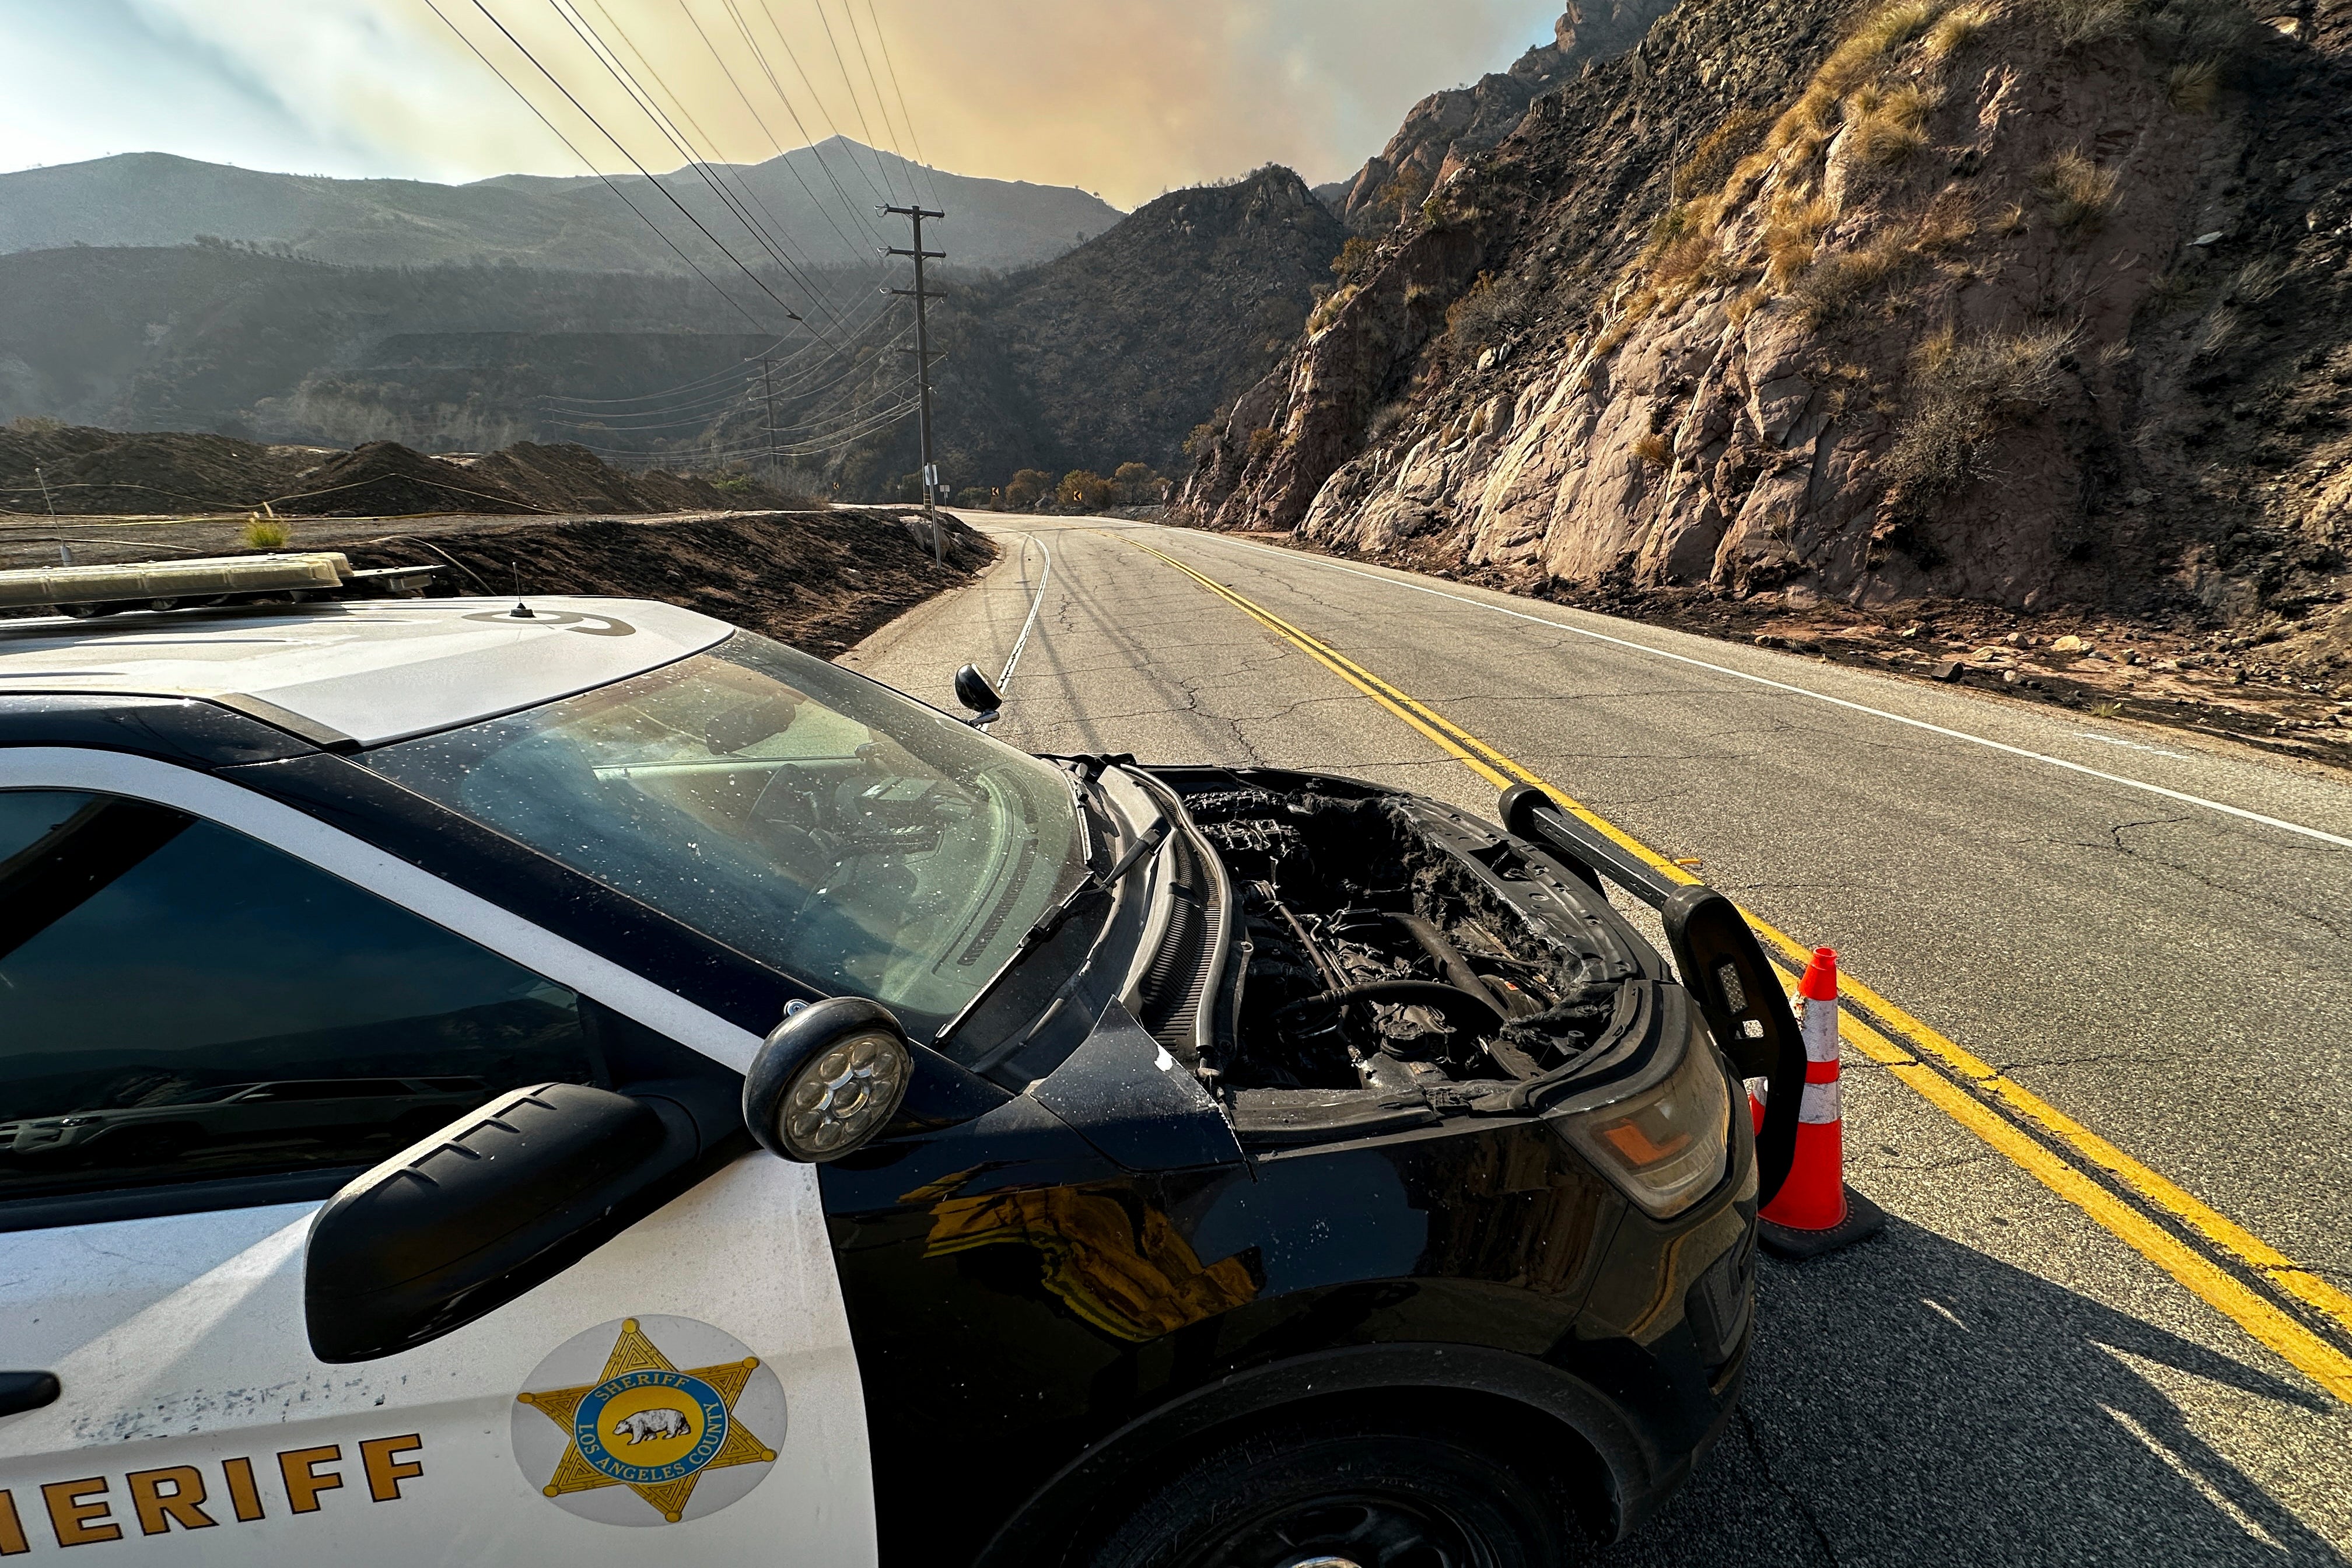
[
  {"x": 77, "y": 470},
  {"x": 818, "y": 580}
]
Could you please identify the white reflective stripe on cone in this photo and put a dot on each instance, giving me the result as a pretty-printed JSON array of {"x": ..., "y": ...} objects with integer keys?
[
  {"x": 1820, "y": 1030},
  {"x": 1823, "y": 1102}
]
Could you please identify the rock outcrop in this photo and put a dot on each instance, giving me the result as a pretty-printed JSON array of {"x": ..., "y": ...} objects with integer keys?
[
  {"x": 2023, "y": 300},
  {"x": 1447, "y": 126}
]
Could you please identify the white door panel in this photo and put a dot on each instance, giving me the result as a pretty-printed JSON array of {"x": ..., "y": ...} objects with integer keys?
[
  {"x": 57, "y": 1286},
  {"x": 195, "y": 1425},
  {"x": 219, "y": 1371}
]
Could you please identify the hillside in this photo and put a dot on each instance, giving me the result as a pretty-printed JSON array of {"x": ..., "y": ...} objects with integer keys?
[
  {"x": 1115, "y": 352},
  {"x": 450, "y": 357},
  {"x": 2026, "y": 302},
  {"x": 1447, "y": 128},
  {"x": 820, "y": 198}
]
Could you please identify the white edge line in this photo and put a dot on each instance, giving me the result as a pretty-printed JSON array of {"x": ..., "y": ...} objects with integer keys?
[
  {"x": 1036, "y": 603},
  {"x": 2237, "y": 811}
]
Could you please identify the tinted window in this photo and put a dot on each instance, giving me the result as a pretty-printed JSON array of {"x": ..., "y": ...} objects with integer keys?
[
  {"x": 822, "y": 823},
  {"x": 179, "y": 1002}
]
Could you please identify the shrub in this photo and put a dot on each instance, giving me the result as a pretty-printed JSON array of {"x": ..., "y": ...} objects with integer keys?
[
  {"x": 35, "y": 424},
  {"x": 1353, "y": 258},
  {"x": 1485, "y": 312},
  {"x": 1028, "y": 487},
  {"x": 1834, "y": 285},
  {"x": 1136, "y": 484},
  {"x": 261, "y": 535},
  {"x": 1197, "y": 444},
  {"x": 2081, "y": 194},
  {"x": 1261, "y": 441},
  {"x": 1964, "y": 394},
  {"x": 1083, "y": 489}
]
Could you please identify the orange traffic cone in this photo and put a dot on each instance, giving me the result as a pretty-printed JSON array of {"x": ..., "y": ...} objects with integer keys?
[{"x": 1814, "y": 1211}]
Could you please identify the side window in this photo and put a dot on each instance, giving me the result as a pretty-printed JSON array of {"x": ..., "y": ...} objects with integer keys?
[{"x": 179, "y": 1002}]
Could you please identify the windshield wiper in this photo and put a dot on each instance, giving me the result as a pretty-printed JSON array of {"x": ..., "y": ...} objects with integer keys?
[{"x": 1052, "y": 920}]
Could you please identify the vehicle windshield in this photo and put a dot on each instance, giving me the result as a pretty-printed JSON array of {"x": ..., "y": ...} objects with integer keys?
[{"x": 812, "y": 819}]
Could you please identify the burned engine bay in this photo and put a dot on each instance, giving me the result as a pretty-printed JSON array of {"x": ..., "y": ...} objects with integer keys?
[{"x": 1390, "y": 952}]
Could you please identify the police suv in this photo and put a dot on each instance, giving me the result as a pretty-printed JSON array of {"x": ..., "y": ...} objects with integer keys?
[{"x": 556, "y": 1082}]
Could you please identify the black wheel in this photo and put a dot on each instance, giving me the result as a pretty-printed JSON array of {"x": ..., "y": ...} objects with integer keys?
[{"x": 1352, "y": 1496}]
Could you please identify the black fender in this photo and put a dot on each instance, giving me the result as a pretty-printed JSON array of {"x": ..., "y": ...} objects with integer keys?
[{"x": 1635, "y": 1477}]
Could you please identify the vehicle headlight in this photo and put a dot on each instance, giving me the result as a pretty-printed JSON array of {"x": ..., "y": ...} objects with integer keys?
[{"x": 1666, "y": 1145}]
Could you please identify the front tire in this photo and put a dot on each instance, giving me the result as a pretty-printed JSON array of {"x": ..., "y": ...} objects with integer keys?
[{"x": 1384, "y": 1495}]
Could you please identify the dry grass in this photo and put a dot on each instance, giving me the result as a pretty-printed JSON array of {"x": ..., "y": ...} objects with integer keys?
[
  {"x": 1717, "y": 153},
  {"x": 1964, "y": 393},
  {"x": 1654, "y": 448},
  {"x": 2080, "y": 24},
  {"x": 1954, "y": 30},
  {"x": 1743, "y": 305},
  {"x": 1946, "y": 226},
  {"x": 2081, "y": 194},
  {"x": 2193, "y": 85},
  {"x": 1793, "y": 233},
  {"x": 1836, "y": 286},
  {"x": 2169, "y": 291},
  {"x": 260, "y": 535},
  {"x": 1887, "y": 127}
]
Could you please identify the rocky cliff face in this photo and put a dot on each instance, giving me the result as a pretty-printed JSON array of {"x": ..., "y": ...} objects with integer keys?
[
  {"x": 1448, "y": 127},
  {"x": 2024, "y": 301}
]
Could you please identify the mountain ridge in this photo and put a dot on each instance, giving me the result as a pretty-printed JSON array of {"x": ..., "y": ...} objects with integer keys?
[{"x": 571, "y": 221}]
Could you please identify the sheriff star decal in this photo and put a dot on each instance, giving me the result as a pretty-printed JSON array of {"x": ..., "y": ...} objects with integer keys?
[{"x": 614, "y": 1428}]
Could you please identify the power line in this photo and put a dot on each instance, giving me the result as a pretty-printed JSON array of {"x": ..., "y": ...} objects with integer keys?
[
  {"x": 610, "y": 59},
  {"x": 881, "y": 105},
  {"x": 930, "y": 181},
  {"x": 776, "y": 29},
  {"x": 668, "y": 193},
  {"x": 584, "y": 157},
  {"x": 719, "y": 166},
  {"x": 713, "y": 407},
  {"x": 850, "y": 87},
  {"x": 774, "y": 141}
]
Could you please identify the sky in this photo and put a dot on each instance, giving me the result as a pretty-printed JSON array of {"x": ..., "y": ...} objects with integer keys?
[{"x": 1124, "y": 98}]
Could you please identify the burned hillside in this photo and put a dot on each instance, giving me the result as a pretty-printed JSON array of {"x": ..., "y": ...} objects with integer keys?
[{"x": 2030, "y": 303}]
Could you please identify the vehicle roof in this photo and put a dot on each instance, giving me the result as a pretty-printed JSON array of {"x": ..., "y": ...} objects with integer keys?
[{"x": 370, "y": 672}]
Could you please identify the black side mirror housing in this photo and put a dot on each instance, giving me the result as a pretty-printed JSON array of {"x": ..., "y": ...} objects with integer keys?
[
  {"x": 497, "y": 1202},
  {"x": 977, "y": 692}
]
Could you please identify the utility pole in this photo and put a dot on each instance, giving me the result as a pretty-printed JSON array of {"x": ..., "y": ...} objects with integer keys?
[
  {"x": 775, "y": 463},
  {"x": 916, "y": 215}
]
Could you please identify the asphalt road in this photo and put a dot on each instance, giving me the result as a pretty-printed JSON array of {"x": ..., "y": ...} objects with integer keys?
[{"x": 2051, "y": 1356}]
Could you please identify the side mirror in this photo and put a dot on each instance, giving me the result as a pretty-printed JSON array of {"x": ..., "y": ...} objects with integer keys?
[
  {"x": 975, "y": 691},
  {"x": 497, "y": 1202},
  {"x": 828, "y": 1078}
]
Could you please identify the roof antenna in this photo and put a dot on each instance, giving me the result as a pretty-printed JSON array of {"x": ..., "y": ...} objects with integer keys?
[{"x": 521, "y": 612}]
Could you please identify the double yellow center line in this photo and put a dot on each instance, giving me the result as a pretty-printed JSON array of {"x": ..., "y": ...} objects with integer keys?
[{"x": 1874, "y": 1025}]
